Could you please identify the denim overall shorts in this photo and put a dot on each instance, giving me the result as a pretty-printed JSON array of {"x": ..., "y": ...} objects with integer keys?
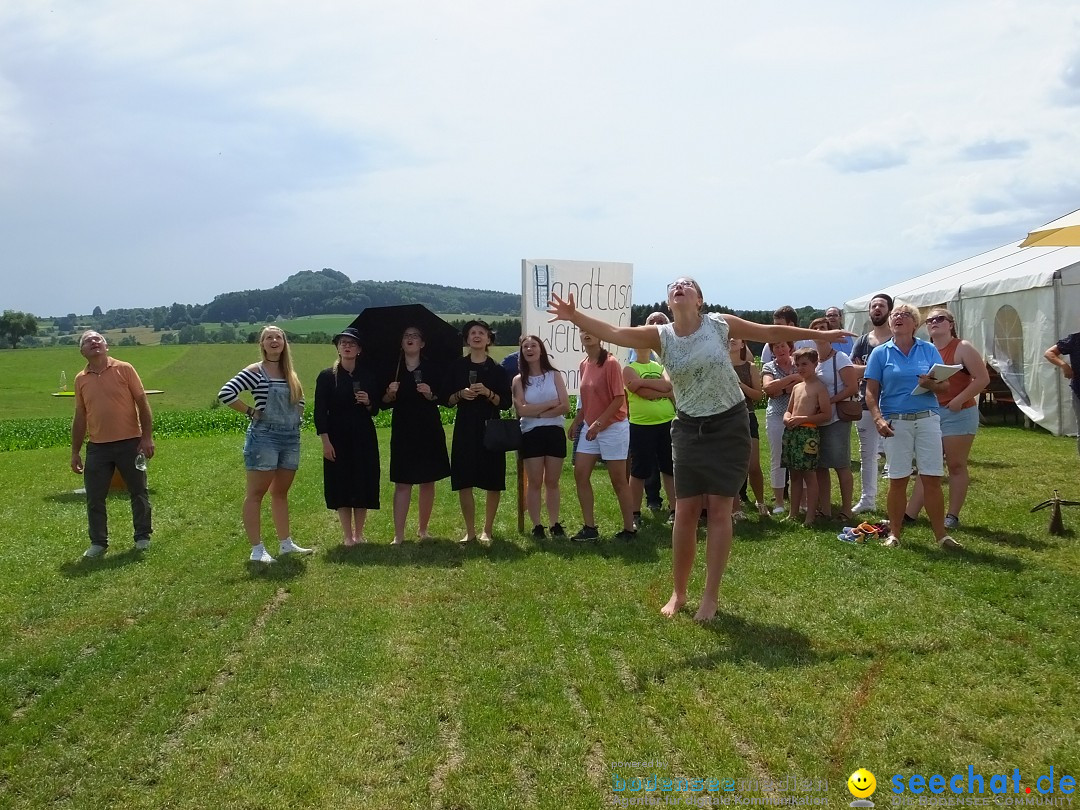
[{"x": 273, "y": 440}]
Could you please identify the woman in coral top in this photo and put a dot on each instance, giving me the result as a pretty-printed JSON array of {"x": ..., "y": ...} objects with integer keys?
[
  {"x": 959, "y": 414},
  {"x": 601, "y": 416}
]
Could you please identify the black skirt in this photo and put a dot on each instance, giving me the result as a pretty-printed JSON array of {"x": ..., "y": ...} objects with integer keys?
[{"x": 711, "y": 453}]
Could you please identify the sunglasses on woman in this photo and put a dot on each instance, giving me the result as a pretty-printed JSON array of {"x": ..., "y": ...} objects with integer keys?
[{"x": 937, "y": 318}]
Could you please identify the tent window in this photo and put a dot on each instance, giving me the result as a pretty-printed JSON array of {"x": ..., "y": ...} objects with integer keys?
[{"x": 1009, "y": 349}]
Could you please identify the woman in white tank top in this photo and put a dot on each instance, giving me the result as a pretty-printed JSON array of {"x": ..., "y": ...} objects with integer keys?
[{"x": 542, "y": 404}]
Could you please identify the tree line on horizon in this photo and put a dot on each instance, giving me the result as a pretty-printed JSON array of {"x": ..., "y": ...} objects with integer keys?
[{"x": 306, "y": 293}]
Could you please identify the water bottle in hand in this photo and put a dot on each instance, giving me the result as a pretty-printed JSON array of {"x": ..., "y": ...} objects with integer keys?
[{"x": 140, "y": 462}]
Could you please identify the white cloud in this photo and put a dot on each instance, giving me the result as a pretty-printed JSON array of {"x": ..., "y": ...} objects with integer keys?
[
  {"x": 192, "y": 148},
  {"x": 994, "y": 149},
  {"x": 872, "y": 148}
]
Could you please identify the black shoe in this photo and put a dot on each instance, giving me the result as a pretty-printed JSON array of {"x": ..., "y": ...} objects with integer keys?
[
  {"x": 538, "y": 532},
  {"x": 626, "y": 534},
  {"x": 557, "y": 530},
  {"x": 656, "y": 506},
  {"x": 671, "y": 518},
  {"x": 637, "y": 521},
  {"x": 586, "y": 533}
]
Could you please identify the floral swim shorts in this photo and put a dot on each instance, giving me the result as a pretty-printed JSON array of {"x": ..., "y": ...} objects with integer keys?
[{"x": 799, "y": 450}]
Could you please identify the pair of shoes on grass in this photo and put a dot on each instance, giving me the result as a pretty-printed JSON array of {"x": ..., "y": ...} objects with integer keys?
[
  {"x": 557, "y": 530},
  {"x": 261, "y": 555},
  {"x": 946, "y": 542},
  {"x": 588, "y": 533},
  {"x": 96, "y": 550},
  {"x": 483, "y": 539},
  {"x": 863, "y": 532}
]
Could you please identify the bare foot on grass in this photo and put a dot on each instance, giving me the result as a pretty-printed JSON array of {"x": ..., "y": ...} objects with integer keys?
[
  {"x": 706, "y": 611},
  {"x": 673, "y": 606}
]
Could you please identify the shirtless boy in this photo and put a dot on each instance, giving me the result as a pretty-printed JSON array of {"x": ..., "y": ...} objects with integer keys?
[{"x": 808, "y": 407}]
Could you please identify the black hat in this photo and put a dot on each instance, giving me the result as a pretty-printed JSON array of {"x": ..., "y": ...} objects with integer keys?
[
  {"x": 476, "y": 322},
  {"x": 349, "y": 332}
]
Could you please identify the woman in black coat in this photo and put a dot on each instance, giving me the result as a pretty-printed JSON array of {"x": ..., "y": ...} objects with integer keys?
[
  {"x": 480, "y": 390},
  {"x": 417, "y": 440},
  {"x": 346, "y": 399}
]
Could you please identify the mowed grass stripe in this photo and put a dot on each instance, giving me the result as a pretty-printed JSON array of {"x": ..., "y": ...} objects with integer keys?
[{"x": 430, "y": 675}]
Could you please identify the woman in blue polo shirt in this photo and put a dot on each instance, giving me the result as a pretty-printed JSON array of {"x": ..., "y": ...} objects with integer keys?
[{"x": 908, "y": 422}]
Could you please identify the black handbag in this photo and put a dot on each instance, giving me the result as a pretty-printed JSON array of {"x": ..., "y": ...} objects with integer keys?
[{"x": 502, "y": 435}]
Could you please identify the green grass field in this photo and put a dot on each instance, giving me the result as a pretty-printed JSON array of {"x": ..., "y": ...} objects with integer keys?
[
  {"x": 431, "y": 676},
  {"x": 190, "y": 376},
  {"x": 524, "y": 674}
]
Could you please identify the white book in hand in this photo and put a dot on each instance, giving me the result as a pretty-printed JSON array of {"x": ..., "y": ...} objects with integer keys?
[{"x": 939, "y": 371}]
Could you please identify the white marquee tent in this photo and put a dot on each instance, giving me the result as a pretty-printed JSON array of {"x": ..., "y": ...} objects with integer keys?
[{"x": 1012, "y": 303}]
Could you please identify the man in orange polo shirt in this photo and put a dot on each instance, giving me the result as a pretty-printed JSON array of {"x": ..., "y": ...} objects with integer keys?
[{"x": 111, "y": 405}]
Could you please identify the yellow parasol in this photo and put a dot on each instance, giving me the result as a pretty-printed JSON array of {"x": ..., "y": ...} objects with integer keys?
[{"x": 1063, "y": 232}]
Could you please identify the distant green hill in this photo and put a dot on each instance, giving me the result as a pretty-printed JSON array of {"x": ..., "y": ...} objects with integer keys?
[{"x": 312, "y": 292}]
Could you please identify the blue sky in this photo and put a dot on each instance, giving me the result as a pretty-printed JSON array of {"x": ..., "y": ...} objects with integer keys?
[{"x": 791, "y": 152}]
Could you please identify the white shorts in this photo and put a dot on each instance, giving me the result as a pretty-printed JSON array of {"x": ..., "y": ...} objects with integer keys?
[
  {"x": 915, "y": 440},
  {"x": 611, "y": 444}
]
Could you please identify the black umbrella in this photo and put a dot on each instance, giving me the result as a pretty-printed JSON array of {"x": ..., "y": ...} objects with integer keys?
[{"x": 381, "y": 329}]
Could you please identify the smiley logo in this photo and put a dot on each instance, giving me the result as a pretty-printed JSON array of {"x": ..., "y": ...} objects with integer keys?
[{"x": 861, "y": 783}]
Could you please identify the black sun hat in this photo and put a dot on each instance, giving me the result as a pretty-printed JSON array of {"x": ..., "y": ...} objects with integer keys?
[
  {"x": 476, "y": 322},
  {"x": 348, "y": 332}
]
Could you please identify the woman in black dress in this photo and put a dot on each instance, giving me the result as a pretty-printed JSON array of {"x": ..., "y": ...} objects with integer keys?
[
  {"x": 417, "y": 440},
  {"x": 346, "y": 398},
  {"x": 480, "y": 388}
]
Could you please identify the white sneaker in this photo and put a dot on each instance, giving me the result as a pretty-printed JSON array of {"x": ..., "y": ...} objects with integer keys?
[
  {"x": 863, "y": 506},
  {"x": 95, "y": 551},
  {"x": 260, "y": 554},
  {"x": 289, "y": 547},
  {"x": 143, "y": 543},
  {"x": 779, "y": 510}
]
